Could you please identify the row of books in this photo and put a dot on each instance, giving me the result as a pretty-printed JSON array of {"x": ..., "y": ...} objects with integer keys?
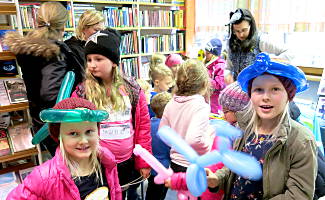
[
  {"x": 130, "y": 67},
  {"x": 28, "y": 14},
  {"x": 162, "y": 18},
  {"x": 15, "y": 138},
  {"x": 129, "y": 43},
  {"x": 120, "y": 16},
  {"x": 163, "y": 43},
  {"x": 11, "y": 180},
  {"x": 12, "y": 91},
  {"x": 181, "y": 2}
]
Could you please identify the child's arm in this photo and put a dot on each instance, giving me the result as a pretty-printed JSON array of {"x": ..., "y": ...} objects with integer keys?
[
  {"x": 218, "y": 79},
  {"x": 177, "y": 181}
]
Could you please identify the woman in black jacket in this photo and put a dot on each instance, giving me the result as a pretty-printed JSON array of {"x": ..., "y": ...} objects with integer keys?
[{"x": 44, "y": 60}]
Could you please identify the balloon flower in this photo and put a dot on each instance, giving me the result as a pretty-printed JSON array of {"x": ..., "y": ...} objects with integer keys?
[
  {"x": 65, "y": 91},
  {"x": 241, "y": 163}
]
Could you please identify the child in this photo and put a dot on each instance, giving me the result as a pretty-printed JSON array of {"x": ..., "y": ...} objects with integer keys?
[
  {"x": 162, "y": 79},
  {"x": 159, "y": 149},
  {"x": 146, "y": 87},
  {"x": 215, "y": 65},
  {"x": 173, "y": 61},
  {"x": 233, "y": 100},
  {"x": 285, "y": 149},
  {"x": 122, "y": 97},
  {"x": 188, "y": 112},
  {"x": 80, "y": 169}
]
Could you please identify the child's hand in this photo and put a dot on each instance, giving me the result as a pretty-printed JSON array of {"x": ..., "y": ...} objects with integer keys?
[
  {"x": 212, "y": 178},
  {"x": 145, "y": 172},
  {"x": 168, "y": 183}
]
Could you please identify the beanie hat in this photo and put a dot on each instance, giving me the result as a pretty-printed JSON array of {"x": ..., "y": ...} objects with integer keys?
[
  {"x": 233, "y": 98},
  {"x": 214, "y": 46},
  {"x": 106, "y": 43},
  {"x": 173, "y": 59},
  {"x": 69, "y": 103},
  {"x": 286, "y": 82}
]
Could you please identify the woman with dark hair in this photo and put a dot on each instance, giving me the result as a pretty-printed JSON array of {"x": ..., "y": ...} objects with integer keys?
[{"x": 245, "y": 42}]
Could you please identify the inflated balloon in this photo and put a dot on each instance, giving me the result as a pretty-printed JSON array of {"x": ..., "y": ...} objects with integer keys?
[
  {"x": 239, "y": 162},
  {"x": 263, "y": 64},
  {"x": 65, "y": 91},
  {"x": 162, "y": 172},
  {"x": 72, "y": 115}
]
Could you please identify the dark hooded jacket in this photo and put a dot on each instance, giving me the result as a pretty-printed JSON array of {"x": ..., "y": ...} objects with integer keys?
[{"x": 43, "y": 64}]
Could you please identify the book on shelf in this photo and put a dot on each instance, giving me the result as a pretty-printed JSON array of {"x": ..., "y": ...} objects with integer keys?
[
  {"x": 4, "y": 99},
  {"x": 24, "y": 173},
  {"x": 16, "y": 90},
  {"x": 20, "y": 137},
  {"x": 8, "y": 68},
  {"x": 4, "y": 143},
  {"x": 8, "y": 182}
]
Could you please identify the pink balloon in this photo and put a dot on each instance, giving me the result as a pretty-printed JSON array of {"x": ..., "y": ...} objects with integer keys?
[{"x": 162, "y": 172}]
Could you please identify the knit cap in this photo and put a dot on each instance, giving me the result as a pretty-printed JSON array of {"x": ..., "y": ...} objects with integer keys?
[
  {"x": 106, "y": 43},
  {"x": 69, "y": 103},
  {"x": 233, "y": 98},
  {"x": 173, "y": 59},
  {"x": 214, "y": 46}
]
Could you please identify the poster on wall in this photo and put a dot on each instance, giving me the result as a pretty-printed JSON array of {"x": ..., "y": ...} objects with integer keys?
[
  {"x": 320, "y": 110},
  {"x": 321, "y": 87}
]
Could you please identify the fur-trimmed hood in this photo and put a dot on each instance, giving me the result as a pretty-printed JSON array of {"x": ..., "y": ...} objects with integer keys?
[{"x": 19, "y": 44}]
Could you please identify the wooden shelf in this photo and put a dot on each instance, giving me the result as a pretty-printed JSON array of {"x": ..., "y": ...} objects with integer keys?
[
  {"x": 316, "y": 71},
  {"x": 14, "y": 107},
  {"x": 166, "y": 52},
  {"x": 7, "y": 55},
  {"x": 19, "y": 155},
  {"x": 31, "y": 29},
  {"x": 162, "y": 28},
  {"x": 313, "y": 78},
  {"x": 106, "y": 2},
  {"x": 17, "y": 168},
  {"x": 7, "y": 9},
  {"x": 124, "y": 28},
  {"x": 160, "y": 4},
  {"x": 130, "y": 55}
]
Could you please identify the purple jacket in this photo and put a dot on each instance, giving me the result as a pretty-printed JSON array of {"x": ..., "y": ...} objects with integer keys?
[
  {"x": 52, "y": 180},
  {"x": 216, "y": 69},
  {"x": 140, "y": 117}
]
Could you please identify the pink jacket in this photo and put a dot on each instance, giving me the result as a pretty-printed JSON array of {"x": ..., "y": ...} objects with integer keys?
[
  {"x": 140, "y": 117},
  {"x": 189, "y": 117},
  {"x": 216, "y": 72},
  {"x": 178, "y": 180},
  {"x": 52, "y": 180}
]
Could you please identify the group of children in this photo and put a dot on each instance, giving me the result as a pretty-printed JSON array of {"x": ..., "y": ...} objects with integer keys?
[{"x": 95, "y": 158}]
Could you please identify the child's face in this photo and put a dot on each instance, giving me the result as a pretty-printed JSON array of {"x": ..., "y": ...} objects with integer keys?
[
  {"x": 79, "y": 139},
  {"x": 208, "y": 56},
  {"x": 268, "y": 96},
  {"x": 230, "y": 116},
  {"x": 164, "y": 84},
  {"x": 100, "y": 66}
]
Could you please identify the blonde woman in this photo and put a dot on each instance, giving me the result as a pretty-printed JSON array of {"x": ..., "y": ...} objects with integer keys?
[
  {"x": 89, "y": 23},
  {"x": 128, "y": 123},
  {"x": 44, "y": 60},
  {"x": 80, "y": 169}
]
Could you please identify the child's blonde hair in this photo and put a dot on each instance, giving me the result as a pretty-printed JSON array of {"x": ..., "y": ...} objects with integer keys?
[
  {"x": 98, "y": 94},
  {"x": 157, "y": 59},
  {"x": 88, "y": 19},
  {"x": 145, "y": 86},
  {"x": 159, "y": 102},
  {"x": 192, "y": 78},
  {"x": 159, "y": 72},
  {"x": 73, "y": 166},
  {"x": 51, "y": 20}
]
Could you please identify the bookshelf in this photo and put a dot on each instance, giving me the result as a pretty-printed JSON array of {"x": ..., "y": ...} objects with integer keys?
[{"x": 142, "y": 20}]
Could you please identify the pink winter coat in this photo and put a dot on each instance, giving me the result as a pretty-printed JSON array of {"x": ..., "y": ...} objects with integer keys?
[
  {"x": 52, "y": 180},
  {"x": 140, "y": 117},
  {"x": 216, "y": 72}
]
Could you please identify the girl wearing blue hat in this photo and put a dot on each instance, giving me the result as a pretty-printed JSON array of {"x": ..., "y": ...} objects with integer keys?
[{"x": 285, "y": 149}]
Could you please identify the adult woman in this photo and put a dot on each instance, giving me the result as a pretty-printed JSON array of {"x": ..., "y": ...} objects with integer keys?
[
  {"x": 246, "y": 42},
  {"x": 89, "y": 23},
  {"x": 44, "y": 60}
]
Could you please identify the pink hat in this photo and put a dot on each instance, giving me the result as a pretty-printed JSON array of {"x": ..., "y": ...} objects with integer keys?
[
  {"x": 173, "y": 59},
  {"x": 233, "y": 98}
]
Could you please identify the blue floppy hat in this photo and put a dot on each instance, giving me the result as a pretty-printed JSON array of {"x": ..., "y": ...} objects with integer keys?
[{"x": 263, "y": 64}]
